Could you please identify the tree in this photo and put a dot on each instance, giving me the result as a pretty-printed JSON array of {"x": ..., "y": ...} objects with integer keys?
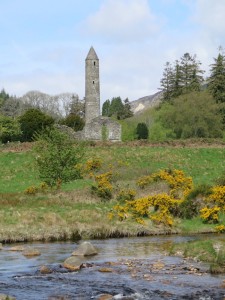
[
  {"x": 106, "y": 108},
  {"x": 167, "y": 82},
  {"x": 32, "y": 121},
  {"x": 9, "y": 129},
  {"x": 191, "y": 77},
  {"x": 74, "y": 121},
  {"x": 184, "y": 77},
  {"x": 192, "y": 115},
  {"x": 216, "y": 80},
  {"x": 117, "y": 108},
  {"x": 142, "y": 131},
  {"x": 57, "y": 157}
]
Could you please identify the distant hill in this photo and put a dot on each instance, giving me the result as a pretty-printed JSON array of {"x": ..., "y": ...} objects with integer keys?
[{"x": 138, "y": 106}]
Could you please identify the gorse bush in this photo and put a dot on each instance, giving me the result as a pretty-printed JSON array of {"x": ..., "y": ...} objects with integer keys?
[
  {"x": 103, "y": 187},
  {"x": 159, "y": 208}
]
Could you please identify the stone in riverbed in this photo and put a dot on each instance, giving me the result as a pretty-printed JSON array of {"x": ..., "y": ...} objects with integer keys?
[
  {"x": 105, "y": 297},
  {"x": 30, "y": 252},
  {"x": 85, "y": 249},
  {"x": 72, "y": 263},
  {"x": 45, "y": 270},
  {"x": 17, "y": 248},
  {"x": 6, "y": 297}
]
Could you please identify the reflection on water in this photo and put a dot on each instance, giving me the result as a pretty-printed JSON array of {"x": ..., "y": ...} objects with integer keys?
[{"x": 18, "y": 275}]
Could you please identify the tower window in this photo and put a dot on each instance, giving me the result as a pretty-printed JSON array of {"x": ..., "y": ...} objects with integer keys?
[
  {"x": 93, "y": 82},
  {"x": 94, "y": 63}
]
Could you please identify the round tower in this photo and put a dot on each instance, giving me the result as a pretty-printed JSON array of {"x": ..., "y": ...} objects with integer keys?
[{"x": 92, "y": 86}]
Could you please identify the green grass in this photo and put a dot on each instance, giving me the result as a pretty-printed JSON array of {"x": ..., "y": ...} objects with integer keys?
[
  {"x": 74, "y": 211},
  {"x": 204, "y": 165},
  {"x": 208, "y": 251}
]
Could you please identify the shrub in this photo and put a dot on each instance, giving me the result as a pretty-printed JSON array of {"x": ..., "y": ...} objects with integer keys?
[
  {"x": 103, "y": 187},
  {"x": 57, "y": 157},
  {"x": 9, "y": 129},
  {"x": 33, "y": 121},
  {"x": 210, "y": 215},
  {"x": 74, "y": 121},
  {"x": 126, "y": 194},
  {"x": 194, "y": 201},
  {"x": 142, "y": 131}
]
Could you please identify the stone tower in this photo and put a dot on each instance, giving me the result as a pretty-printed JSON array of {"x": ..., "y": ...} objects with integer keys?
[{"x": 92, "y": 86}]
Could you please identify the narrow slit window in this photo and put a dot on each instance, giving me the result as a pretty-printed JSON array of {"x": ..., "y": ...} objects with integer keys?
[
  {"x": 93, "y": 82},
  {"x": 94, "y": 63}
]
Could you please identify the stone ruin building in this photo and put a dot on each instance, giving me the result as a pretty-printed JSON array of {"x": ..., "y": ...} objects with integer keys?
[{"x": 97, "y": 127}]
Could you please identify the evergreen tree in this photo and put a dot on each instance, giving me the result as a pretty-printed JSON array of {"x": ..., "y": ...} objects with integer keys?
[
  {"x": 191, "y": 78},
  {"x": 216, "y": 81},
  {"x": 176, "y": 80},
  {"x": 167, "y": 82},
  {"x": 106, "y": 108},
  {"x": 117, "y": 108},
  {"x": 142, "y": 131}
]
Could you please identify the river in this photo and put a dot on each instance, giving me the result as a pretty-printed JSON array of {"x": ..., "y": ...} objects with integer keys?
[{"x": 127, "y": 268}]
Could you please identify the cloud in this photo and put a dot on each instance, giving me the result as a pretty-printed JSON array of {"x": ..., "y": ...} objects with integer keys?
[
  {"x": 123, "y": 21},
  {"x": 210, "y": 15}
]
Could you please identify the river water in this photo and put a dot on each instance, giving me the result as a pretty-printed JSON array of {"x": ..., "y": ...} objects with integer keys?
[{"x": 127, "y": 268}]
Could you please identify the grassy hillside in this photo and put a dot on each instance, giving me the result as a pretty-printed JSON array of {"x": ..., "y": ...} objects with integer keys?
[
  {"x": 205, "y": 164},
  {"x": 74, "y": 212}
]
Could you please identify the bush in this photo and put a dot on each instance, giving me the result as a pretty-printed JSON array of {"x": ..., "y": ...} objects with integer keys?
[
  {"x": 195, "y": 200},
  {"x": 142, "y": 131},
  {"x": 9, "y": 129},
  {"x": 74, "y": 121},
  {"x": 57, "y": 157},
  {"x": 33, "y": 121}
]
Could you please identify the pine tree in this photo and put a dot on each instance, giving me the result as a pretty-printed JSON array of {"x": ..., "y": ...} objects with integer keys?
[
  {"x": 177, "y": 80},
  {"x": 167, "y": 82},
  {"x": 216, "y": 80},
  {"x": 105, "y": 108},
  {"x": 191, "y": 78}
]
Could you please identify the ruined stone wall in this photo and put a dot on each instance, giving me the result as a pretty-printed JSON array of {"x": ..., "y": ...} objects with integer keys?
[{"x": 103, "y": 128}]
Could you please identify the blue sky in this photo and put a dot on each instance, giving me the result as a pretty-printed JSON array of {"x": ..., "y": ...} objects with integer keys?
[{"x": 44, "y": 43}]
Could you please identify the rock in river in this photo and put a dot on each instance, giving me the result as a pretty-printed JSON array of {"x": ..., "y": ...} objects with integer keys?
[
  {"x": 85, "y": 249},
  {"x": 30, "y": 252},
  {"x": 72, "y": 263}
]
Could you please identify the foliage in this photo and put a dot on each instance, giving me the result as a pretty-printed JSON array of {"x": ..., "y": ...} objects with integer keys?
[
  {"x": 216, "y": 80},
  {"x": 126, "y": 195},
  {"x": 184, "y": 77},
  {"x": 142, "y": 131},
  {"x": 179, "y": 184},
  {"x": 57, "y": 157},
  {"x": 160, "y": 208},
  {"x": 103, "y": 187},
  {"x": 117, "y": 108},
  {"x": 194, "y": 201},
  {"x": 74, "y": 121},
  {"x": 193, "y": 115},
  {"x": 210, "y": 215},
  {"x": 9, "y": 129},
  {"x": 33, "y": 190},
  {"x": 93, "y": 164},
  {"x": 220, "y": 228},
  {"x": 33, "y": 121}
]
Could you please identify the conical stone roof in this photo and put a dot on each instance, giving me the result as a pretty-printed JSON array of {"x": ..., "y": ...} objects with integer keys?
[{"x": 92, "y": 54}]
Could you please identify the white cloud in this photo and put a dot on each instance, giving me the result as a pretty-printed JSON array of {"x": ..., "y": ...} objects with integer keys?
[
  {"x": 123, "y": 21},
  {"x": 210, "y": 14}
]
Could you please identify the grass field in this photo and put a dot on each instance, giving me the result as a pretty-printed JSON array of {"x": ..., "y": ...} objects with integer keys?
[
  {"x": 74, "y": 212},
  {"x": 204, "y": 164}
]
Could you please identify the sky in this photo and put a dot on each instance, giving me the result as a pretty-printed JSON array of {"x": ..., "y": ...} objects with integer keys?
[{"x": 44, "y": 43}]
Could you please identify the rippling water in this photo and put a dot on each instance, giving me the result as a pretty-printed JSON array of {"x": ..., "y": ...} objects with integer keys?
[{"x": 133, "y": 273}]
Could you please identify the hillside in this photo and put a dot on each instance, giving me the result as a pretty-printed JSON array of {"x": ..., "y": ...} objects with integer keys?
[{"x": 142, "y": 104}]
